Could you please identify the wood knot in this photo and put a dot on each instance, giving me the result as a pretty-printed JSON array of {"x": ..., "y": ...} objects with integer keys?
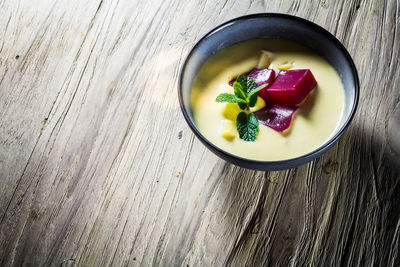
[
  {"x": 324, "y": 4},
  {"x": 330, "y": 166},
  {"x": 35, "y": 215}
]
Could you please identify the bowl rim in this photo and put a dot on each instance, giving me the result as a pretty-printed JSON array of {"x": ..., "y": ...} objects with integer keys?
[{"x": 251, "y": 162}]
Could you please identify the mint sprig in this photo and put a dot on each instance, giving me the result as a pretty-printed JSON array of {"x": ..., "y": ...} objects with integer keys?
[
  {"x": 239, "y": 90},
  {"x": 247, "y": 126},
  {"x": 246, "y": 91},
  {"x": 229, "y": 98}
]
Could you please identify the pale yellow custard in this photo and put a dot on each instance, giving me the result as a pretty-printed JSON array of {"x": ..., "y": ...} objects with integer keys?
[{"x": 313, "y": 125}]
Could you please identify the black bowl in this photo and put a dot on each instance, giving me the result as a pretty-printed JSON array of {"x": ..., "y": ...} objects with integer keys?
[{"x": 271, "y": 25}]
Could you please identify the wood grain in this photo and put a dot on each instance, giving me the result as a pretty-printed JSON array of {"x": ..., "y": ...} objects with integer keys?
[{"x": 98, "y": 167}]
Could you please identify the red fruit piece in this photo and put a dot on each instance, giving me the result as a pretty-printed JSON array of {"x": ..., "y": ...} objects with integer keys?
[
  {"x": 260, "y": 77},
  {"x": 290, "y": 87},
  {"x": 276, "y": 117}
]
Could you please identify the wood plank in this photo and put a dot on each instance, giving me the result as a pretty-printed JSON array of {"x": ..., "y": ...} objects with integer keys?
[{"x": 98, "y": 167}]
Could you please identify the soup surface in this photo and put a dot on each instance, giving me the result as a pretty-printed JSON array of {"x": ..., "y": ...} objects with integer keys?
[{"x": 314, "y": 123}]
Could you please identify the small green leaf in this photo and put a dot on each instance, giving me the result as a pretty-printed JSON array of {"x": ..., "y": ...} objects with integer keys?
[
  {"x": 254, "y": 91},
  {"x": 253, "y": 95},
  {"x": 229, "y": 98},
  {"x": 252, "y": 100},
  {"x": 239, "y": 92},
  {"x": 243, "y": 106},
  {"x": 247, "y": 126},
  {"x": 247, "y": 83}
]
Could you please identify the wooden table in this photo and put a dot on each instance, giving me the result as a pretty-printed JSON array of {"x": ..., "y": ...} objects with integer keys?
[{"x": 98, "y": 166}]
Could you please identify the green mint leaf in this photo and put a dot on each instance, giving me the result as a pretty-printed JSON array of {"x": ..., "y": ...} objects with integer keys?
[
  {"x": 254, "y": 91},
  {"x": 247, "y": 126},
  {"x": 239, "y": 92},
  {"x": 252, "y": 100},
  {"x": 229, "y": 98},
  {"x": 243, "y": 106},
  {"x": 253, "y": 95},
  {"x": 247, "y": 83}
]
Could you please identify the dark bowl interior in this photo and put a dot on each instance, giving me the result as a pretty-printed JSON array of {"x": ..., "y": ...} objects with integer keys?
[{"x": 269, "y": 25}]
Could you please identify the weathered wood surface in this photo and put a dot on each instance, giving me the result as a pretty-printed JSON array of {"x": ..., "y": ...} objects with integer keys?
[{"x": 98, "y": 167}]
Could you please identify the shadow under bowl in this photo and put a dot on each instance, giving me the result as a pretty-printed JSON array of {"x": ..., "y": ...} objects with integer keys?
[{"x": 271, "y": 25}]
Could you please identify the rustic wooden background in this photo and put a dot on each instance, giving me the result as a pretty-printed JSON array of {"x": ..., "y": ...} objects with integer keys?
[{"x": 98, "y": 167}]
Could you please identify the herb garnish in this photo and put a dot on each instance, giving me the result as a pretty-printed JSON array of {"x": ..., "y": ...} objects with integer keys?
[
  {"x": 247, "y": 126},
  {"x": 245, "y": 93},
  {"x": 245, "y": 96}
]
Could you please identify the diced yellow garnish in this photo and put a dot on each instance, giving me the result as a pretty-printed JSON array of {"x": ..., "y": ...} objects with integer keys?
[
  {"x": 228, "y": 130},
  {"x": 259, "y": 104},
  {"x": 231, "y": 111},
  {"x": 285, "y": 66},
  {"x": 265, "y": 59}
]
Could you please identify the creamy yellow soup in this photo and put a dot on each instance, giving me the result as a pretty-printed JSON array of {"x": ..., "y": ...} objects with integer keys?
[{"x": 314, "y": 123}]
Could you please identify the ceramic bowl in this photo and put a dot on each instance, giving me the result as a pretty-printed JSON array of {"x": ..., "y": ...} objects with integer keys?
[{"x": 271, "y": 25}]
